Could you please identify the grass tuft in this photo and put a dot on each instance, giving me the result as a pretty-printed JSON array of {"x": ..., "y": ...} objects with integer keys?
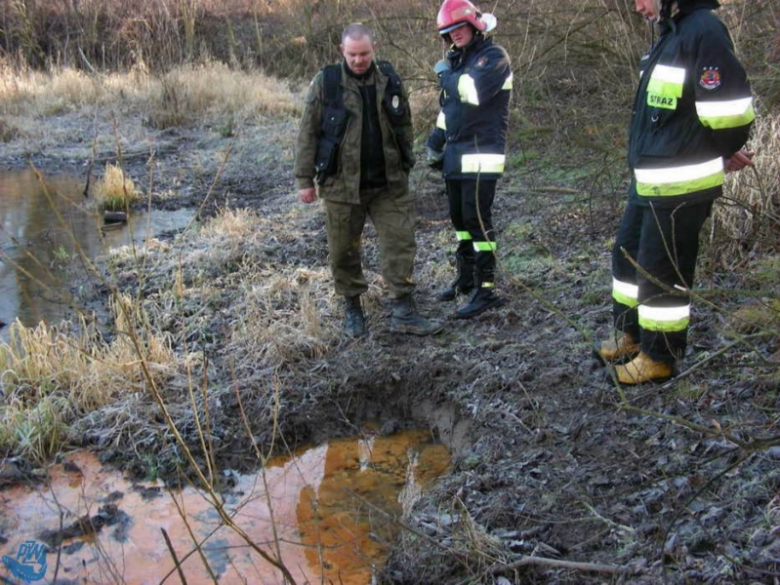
[{"x": 114, "y": 191}]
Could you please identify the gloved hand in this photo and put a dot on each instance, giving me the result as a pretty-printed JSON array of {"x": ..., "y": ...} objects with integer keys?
[
  {"x": 435, "y": 159},
  {"x": 442, "y": 68}
]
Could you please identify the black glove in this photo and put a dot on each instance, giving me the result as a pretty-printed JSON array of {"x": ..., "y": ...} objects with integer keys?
[
  {"x": 435, "y": 159},
  {"x": 442, "y": 69}
]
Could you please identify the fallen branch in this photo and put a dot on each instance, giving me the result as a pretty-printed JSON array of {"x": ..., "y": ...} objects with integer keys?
[{"x": 558, "y": 564}]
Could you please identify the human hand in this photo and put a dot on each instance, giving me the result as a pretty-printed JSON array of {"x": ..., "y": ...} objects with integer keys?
[
  {"x": 441, "y": 68},
  {"x": 308, "y": 195},
  {"x": 739, "y": 160},
  {"x": 435, "y": 159}
]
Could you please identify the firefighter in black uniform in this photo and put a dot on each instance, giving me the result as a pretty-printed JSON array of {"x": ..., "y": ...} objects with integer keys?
[
  {"x": 468, "y": 145},
  {"x": 692, "y": 115}
]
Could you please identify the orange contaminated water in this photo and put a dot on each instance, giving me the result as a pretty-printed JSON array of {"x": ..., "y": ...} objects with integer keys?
[{"x": 329, "y": 513}]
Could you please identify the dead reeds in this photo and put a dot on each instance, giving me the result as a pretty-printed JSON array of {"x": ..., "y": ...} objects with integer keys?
[{"x": 52, "y": 374}]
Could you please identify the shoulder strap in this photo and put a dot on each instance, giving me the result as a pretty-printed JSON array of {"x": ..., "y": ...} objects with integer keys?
[
  {"x": 387, "y": 69},
  {"x": 332, "y": 84}
]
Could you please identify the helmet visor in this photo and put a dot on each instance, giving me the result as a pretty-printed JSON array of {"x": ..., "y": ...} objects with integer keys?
[{"x": 449, "y": 29}]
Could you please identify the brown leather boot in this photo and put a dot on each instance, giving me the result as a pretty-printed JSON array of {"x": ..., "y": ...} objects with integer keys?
[
  {"x": 643, "y": 369},
  {"x": 620, "y": 346}
]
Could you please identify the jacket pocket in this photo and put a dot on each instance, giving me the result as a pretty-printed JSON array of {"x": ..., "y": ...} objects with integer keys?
[{"x": 661, "y": 137}]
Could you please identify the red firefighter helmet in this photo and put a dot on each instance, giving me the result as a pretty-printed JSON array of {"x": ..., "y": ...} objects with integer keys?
[{"x": 456, "y": 13}]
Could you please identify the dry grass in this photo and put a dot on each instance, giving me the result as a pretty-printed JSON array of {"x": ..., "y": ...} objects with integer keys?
[
  {"x": 114, "y": 191},
  {"x": 186, "y": 93},
  {"x": 751, "y": 210},
  {"x": 49, "y": 375},
  {"x": 282, "y": 321}
]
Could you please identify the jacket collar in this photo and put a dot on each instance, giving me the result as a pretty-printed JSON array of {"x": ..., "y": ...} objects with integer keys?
[
  {"x": 475, "y": 45},
  {"x": 363, "y": 77},
  {"x": 686, "y": 7}
]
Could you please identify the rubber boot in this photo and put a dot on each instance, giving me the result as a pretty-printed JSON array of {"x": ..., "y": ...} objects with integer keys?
[
  {"x": 481, "y": 300},
  {"x": 463, "y": 283},
  {"x": 405, "y": 319},
  {"x": 354, "y": 320},
  {"x": 619, "y": 347},
  {"x": 643, "y": 369}
]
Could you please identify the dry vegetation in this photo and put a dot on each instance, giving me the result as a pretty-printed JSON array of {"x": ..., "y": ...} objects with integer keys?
[
  {"x": 222, "y": 285},
  {"x": 114, "y": 191},
  {"x": 52, "y": 377}
]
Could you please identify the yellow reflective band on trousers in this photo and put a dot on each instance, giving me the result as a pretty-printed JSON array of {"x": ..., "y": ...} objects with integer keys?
[
  {"x": 508, "y": 82},
  {"x": 720, "y": 115},
  {"x": 488, "y": 285},
  {"x": 467, "y": 89},
  {"x": 441, "y": 121},
  {"x": 680, "y": 180},
  {"x": 665, "y": 87},
  {"x": 664, "y": 319},
  {"x": 625, "y": 293},
  {"x": 463, "y": 236},
  {"x": 482, "y": 163},
  {"x": 484, "y": 246}
]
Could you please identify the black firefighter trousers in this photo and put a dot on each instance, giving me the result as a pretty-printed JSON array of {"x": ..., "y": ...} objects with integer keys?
[
  {"x": 471, "y": 212},
  {"x": 664, "y": 242}
]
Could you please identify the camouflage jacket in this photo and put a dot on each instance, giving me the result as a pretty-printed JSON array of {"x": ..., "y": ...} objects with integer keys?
[{"x": 344, "y": 185}]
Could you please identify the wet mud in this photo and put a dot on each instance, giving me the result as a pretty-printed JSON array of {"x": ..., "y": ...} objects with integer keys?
[{"x": 550, "y": 460}]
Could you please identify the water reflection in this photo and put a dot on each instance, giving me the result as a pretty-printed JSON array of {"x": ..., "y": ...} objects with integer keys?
[
  {"x": 333, "y": 517},
  {"x": 39, "y": 262}
]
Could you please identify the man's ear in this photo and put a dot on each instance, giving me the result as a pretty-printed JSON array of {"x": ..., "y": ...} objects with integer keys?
[{"x": 341, "y": 50}]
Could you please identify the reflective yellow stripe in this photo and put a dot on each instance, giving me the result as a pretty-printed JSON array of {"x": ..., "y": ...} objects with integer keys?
[
  {"x": 488, "y": 285},
  {"x": 482, "y": 163},
  {"x": 726, "y": 114},
  {"x": 508, "y": 82},
  {"x": 665, "y": 319},
  {"x": 679, "y": 180},
  {"x": 441, "y": 121},
  {"x": 625, "y": 293},
  {"x": 667, "y": 74},
  {"x": 467, "y": 89},
  {"x": 665, "y": 87},
  {"x": 484, "y": 246},
  {"x": 463, "y": 236}
]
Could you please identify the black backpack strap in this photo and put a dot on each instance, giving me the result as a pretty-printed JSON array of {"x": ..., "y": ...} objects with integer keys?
[
  {"x": 395, "y": 106},
  {"x": 334, "y": 123},
  {"x": 387, "y": 69},
  {"x": 331, "y": 88}
]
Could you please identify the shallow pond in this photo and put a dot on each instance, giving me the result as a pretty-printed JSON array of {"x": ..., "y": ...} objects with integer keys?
[
  {"x": 330, "y": 513},
  {"x": 39, "y": 246}
]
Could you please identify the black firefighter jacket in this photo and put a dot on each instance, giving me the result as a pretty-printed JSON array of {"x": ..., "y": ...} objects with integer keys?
[
  {"x": 472, "y": 124},
  {"x": 692, "y": 110}
]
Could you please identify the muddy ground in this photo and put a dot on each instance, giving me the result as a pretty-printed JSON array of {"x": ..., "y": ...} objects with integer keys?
[{"x": 548, "y": 461}]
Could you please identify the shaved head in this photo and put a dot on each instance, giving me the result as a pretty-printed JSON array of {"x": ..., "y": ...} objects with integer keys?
[{"x": 357, "y": 31}]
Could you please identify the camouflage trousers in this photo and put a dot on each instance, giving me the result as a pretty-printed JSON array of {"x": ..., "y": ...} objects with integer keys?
[{"x": 393, "y": 218}]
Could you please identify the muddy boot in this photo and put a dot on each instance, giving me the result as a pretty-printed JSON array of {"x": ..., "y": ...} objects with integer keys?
[
  {"x": 463, "y": 283},
  {"x": 643, "y": 369},
  {"x": 484, "y": 298},
  {"x": 619, "y": 347},
  {"x": 354, "y": 320},
  {"x": 405, "y": 319}
]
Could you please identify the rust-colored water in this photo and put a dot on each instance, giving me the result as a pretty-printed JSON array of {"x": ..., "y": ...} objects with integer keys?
[{"x": 332, "y": 506}]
